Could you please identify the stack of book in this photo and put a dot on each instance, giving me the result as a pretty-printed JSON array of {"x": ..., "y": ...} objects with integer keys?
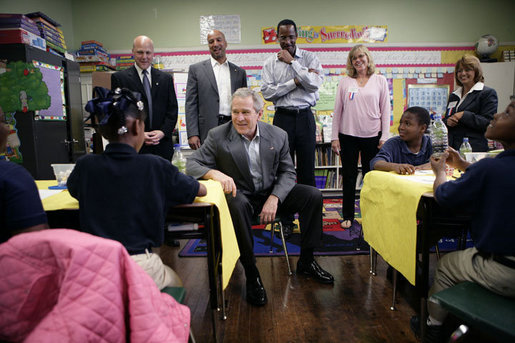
[
  {"x": 18, "y": 28},
  {"x": 93, "y": 57},
  {"x": 124, "y": 62},
  {"x": 50, "y": 31}
]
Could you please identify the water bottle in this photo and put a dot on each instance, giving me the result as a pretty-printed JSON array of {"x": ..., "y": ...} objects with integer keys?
[
  {"x": 178, "y": 159},
  {"x": 438, "y": 136},
  {"x": 465, "y": 147}
]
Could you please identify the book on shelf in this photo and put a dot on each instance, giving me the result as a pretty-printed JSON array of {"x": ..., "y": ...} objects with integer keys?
[{"x": 182, "y": 226}]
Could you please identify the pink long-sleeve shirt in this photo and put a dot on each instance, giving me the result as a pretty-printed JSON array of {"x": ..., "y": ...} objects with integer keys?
[{"x": 362, "y": 111}]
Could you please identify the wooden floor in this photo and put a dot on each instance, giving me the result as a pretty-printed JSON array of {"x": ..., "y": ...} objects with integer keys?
[{"x": 355, "y": 309}]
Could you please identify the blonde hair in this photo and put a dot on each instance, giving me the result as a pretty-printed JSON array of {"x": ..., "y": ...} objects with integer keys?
[
  {"x": 351, "y": 71},
  {"x": 469, "y": 62}
]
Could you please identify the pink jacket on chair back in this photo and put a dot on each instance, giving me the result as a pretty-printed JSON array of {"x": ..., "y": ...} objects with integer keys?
[{"x": 62, "y": 285}]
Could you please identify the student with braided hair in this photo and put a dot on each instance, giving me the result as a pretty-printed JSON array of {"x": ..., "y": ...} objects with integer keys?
[{"x": 124, "y": 195}]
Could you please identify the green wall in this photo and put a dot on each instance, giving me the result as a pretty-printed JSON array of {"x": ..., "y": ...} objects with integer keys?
[{"x": 175, "y": 24}]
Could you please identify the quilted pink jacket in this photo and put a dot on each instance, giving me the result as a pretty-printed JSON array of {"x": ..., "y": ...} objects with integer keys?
[{"x": 67, "y": 286}]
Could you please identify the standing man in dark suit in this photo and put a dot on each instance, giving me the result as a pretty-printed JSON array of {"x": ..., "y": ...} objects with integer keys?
[
  {"x": 252, "y": 162},
  {"x": 209, "y": 89},
  {"x": 158, "y": 94}
]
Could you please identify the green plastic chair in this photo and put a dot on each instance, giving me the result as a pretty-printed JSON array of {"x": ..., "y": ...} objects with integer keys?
[{"x": 480, "y": 308}]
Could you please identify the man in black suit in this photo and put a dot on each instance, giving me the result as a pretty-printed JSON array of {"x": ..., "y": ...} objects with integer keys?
[
  {"x": 158, "y": 96},
  {"x": 209, "y": 89}
]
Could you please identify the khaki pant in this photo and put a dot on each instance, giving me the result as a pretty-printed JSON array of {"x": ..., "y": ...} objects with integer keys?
[
  {"x": 467, "y": 265},
  {"x": 162, "y": 275}
]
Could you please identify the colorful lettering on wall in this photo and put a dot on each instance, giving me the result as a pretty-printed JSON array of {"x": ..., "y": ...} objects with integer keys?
[{"x": 332, "y": 34}]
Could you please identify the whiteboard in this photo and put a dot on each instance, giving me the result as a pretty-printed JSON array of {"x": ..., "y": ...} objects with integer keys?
[{"x": 501, "y": 77}]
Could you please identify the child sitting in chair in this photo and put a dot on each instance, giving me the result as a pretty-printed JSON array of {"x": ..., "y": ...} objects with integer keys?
[
  {"x": 123, "y": 195},
  {"x": 20, "y": 206},
  {"x": 486, "y": 191},
  {"x": 410, "y": 150}
]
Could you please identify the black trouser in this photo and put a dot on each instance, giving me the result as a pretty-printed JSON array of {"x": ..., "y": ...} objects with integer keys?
[
  {"x": 300, "y": 126},
  {"x": 301, "y": 129},
  {"x": 163, "y": 149},
  {"x": 302, "y": 199},
  {"x": 350, "y": 147}
]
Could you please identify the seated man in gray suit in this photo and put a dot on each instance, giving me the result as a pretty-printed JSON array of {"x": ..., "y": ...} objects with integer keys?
[
  {"x": 208, "y": 92},
  {"x": 252, "y": 162}
]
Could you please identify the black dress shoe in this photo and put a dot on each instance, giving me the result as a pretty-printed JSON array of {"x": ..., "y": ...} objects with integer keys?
[
  {"x": 288, "y": 230},
  {"x": 314, "y": 270},
  {"x": 256, "y": 294}
]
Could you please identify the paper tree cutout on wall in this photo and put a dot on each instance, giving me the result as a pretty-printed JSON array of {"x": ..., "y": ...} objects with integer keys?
[{"x": 22, "y": 88}]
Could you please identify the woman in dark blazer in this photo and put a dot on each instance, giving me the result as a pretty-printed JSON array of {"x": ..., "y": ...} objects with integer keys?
[{"x": 471, "y": 106}]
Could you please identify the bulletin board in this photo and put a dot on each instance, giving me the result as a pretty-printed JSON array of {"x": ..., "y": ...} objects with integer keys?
[
  {"x": 402, "y": 66},
  {"x": 432, "y": 97},
  {"x": 53, "y": 76}
]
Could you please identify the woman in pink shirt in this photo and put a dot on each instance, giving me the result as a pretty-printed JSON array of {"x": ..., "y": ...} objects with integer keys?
[{"x": 361, "y": 121}]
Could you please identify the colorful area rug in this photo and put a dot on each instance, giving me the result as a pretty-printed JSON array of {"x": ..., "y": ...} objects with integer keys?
[{"x": 336, "y": 241}]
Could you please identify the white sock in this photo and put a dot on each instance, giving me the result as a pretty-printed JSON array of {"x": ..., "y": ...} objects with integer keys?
[{"x": 433, "y": 322}]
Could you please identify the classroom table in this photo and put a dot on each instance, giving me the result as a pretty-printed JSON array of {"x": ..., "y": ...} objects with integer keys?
[
  {"x": 211, "y": 210},
  {"x": 401, "y": 217}
]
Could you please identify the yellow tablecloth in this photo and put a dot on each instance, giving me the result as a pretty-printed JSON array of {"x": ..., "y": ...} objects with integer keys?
[
  {"x": 215, "y": 195},
  {"x": 388, "y": 207}
]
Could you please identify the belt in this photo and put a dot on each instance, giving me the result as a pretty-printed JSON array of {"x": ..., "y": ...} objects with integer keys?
[
  {"x": 501, "y": 259},
  {"x": 138, "y": 252},
  {"x": 504, "y": 261},
  {"x": 293, "y": 109}
]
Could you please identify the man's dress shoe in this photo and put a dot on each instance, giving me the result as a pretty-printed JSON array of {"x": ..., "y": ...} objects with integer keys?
[
  {"x": 314, "y": 270},
  {"x": 256, "y": 294}
]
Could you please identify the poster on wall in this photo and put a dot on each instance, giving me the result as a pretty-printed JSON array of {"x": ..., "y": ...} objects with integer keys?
[
  {"x": 332, "y": 34},
  {"x": 431, "y": 97},
  {"x": 228, "y": 24},
  {"x": 53, "y": 77}
]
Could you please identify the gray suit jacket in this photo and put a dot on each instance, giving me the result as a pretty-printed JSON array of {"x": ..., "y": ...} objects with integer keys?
[
  {"x": 224, "y": 150},
  {"x": 202, "y": 100}
]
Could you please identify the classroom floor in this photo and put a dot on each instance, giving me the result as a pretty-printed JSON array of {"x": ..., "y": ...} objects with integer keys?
[{"x": 355, "y": 309}]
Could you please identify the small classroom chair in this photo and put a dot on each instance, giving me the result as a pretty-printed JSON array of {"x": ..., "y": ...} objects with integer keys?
[
  {"x": 276, "y": 225},
  {"x": 480, "y": 308},
  {"x": 178, "y": 293}
]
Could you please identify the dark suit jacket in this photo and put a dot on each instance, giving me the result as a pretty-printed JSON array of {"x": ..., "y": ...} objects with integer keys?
[
  {"x": 202, "y": 99},
  {"x": 164, "y": 105},
  {"x": 224, "y": 150},
  {"x": 479, "y": 108}
]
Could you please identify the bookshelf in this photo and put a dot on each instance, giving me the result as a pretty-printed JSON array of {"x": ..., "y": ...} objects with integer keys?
[{"x": 328, "y": 170}]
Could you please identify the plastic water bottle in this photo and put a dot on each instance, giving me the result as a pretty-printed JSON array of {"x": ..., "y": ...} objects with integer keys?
[
  {"x": 178, "y": 159},
  {"x": 438, "y": 136},
  {"x": 465, "y": 147}
]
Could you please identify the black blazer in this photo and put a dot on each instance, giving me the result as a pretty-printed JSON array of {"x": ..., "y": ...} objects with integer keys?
[
  {"x": 479, "y": 108},
  {"x": 164, "y": 105}
]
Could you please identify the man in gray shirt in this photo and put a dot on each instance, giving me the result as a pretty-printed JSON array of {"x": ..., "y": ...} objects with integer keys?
[{"x": 291, "y": 80}]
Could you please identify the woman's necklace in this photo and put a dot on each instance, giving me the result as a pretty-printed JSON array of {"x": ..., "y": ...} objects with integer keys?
[{"x": 362, "y": 81}]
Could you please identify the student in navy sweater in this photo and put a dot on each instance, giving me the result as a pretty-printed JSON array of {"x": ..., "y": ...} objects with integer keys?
[
  {"x": 124, "y": 195},
  {"x": 486, "y": 190},
  {"x": 20, "y": 206},
  {"x": 410, "y": 150}
]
